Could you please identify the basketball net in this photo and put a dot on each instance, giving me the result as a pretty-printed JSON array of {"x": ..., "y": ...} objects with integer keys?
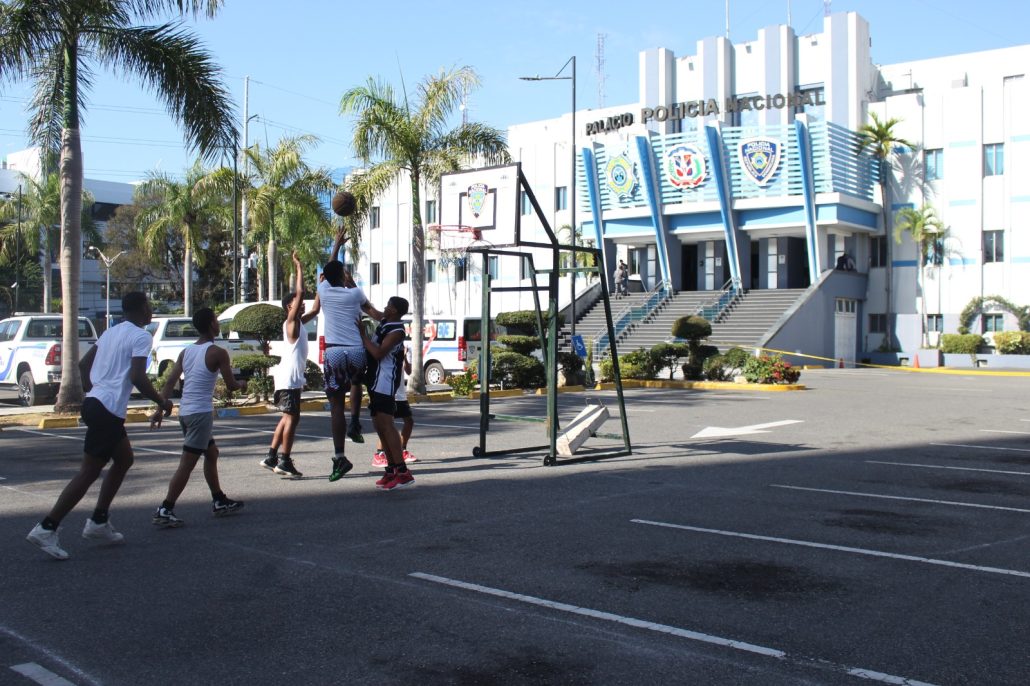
[{"x": 452, "y": 242}]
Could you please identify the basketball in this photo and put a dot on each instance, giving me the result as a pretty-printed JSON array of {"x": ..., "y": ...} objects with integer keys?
[{"x": 344, "y": 204}]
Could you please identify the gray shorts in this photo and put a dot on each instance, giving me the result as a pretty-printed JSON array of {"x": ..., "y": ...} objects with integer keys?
[{"x": 196, "y": 432}]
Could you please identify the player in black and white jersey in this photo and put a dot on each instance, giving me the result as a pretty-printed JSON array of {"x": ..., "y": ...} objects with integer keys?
[{"x": 383, "y": 374}]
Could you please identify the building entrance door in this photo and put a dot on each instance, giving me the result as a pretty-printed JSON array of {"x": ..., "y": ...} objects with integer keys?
[
  {"x": 845, "y": 330},
  {"x": 688, "y": 272}
]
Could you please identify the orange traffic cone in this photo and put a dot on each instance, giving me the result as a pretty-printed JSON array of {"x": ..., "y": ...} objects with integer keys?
[
  {"x": 916, "y": 364},
  {"x": 840, "y": 363}
]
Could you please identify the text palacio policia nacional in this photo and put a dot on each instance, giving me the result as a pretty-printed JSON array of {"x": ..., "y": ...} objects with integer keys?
[{"x": 704, "y": 108}]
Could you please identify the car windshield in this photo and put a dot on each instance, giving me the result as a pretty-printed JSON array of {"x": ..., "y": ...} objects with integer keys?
[{"x": 54, "y": 328}]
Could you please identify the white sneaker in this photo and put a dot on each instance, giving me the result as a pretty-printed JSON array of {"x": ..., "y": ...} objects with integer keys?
[
  {"x": 47, "y": 542},
  {"x": 101, "y": 532}
]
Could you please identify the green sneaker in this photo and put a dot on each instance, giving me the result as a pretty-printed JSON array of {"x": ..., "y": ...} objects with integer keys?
[
  {"x": 341, "y": 465},
  {"x": 354, "y": 432}
]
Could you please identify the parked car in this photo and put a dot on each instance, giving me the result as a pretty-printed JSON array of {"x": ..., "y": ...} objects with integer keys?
[
  {"x": 30, "y": 354},
  {"x": 173, "y": 334}
]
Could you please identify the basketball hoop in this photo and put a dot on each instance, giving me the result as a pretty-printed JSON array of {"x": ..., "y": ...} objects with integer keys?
[{"x": 452, "y": 242}]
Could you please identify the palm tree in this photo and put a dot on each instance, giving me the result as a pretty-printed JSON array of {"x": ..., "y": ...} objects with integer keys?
[
  {"x": 880, "y": 139},
  {"x": 414, "y": 139},
  {"x": 183, "y": 210},
  {"x": 53, "y": 44},
  {"x": 928, "y": 233}
]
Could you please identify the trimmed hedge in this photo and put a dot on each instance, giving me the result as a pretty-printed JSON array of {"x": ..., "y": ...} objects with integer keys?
[
  {"x": 1012, "y": 342},
  {"x": 957, "y": 343}
]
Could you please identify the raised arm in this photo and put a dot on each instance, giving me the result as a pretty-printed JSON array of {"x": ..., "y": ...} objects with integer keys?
[
  {"x": 341, "y": 238},
  {"x": 371, "y": 311},
  {"x": 293, "y": 316}
]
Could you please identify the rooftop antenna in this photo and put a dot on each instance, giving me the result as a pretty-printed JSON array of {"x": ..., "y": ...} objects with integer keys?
[
  {"x": 599, "y": 69},
  {"x": 826, "y": 7},
  {"x": 727, "y": 19},
  {"x": 788, "y": 12},
  {"x": 464, "y": 106}
]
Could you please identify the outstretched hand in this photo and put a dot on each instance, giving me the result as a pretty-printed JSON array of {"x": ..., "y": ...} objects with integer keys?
[{"x": 296, "y": 260}]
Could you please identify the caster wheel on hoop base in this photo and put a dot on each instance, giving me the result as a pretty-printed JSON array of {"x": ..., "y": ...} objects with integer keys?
[{"x": 477, "y": 452}]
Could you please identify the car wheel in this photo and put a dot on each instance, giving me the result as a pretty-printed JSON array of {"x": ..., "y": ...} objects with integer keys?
[
  {"x": 435, "y": 374},
  {"x": 27, "y": 394}
]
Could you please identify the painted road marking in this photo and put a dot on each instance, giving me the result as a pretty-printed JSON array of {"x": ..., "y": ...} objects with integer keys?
[
  {"x": 898, "y": 497},
  {"x": 669, "y": 630},
  {"x": 79, "y": 438},
  {"x": 937, "y": 466},
  {"x": 840, "y": 548},
  {"x": 982, "y": 447},
  {"x": 50, "y": 655},
  {"x": 1003, "y": 431},
  {"x": 718, "y": 431},
  {"x": 41, "y": 675}
]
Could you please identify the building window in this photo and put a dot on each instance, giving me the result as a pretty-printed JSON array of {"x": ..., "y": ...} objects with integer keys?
[
  {"x": 561, "y": 198},
  {"x": 877, "y": 323},
  {"x": 526, "y": 271},
  {"x": 430, "y": 212},
  {"x": 934, "y": 161},
  {"x": 878, "y": 251},
  {"x": 935, "y": 322},
  {"x": 374, "y": 273},
  {"x": 527, "y": 207},
  {"x": 993, "y": 322},
  {"x": 373, "y": 217},
  {"x": 459, "y": 269},
  {"x": 994, "y": 246},
  {"x": 994, "y": 159},
  {"x": 402, "y": 272},
  {"x": 430, "y": 271},
  {"x": 492, "y": 266}
]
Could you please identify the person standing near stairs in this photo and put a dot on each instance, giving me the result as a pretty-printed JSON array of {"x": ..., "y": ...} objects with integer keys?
[{"x": 619, "y": 279}]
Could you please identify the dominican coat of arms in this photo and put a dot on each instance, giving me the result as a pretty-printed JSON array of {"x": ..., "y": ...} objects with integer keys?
[
  {"x": 760, "y": 157},
  {"x": 685, "y": 166}
]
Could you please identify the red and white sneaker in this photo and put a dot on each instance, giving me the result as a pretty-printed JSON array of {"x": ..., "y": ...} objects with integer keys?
[
  {"x": 379, "y": 459},
  {"x": 408, "y": 457},
  {"x": 399, "y": 480},
  {"x": 385, "y": 479}
]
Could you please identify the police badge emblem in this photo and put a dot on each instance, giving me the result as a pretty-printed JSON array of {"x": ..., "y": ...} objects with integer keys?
[
  {"x": 621, "y": 176},
  {"x": 476, "y": 195},
  {"x": 760, "y": 158},
  {"x": 685, "y": 166}
]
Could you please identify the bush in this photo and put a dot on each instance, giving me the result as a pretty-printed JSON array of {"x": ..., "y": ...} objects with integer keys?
[
  {"x": 666, "y": 355},
  {"x": 518, "y": 371},
  {"x": 463, "y": 384},
  {"x": 1012, "y": 342},
  {"x": 961, "y": 344},
  {"x": 692, "y": 328},
  {"x": 523, "y": 345},
  {"x": 256, "y": 366},
  {"x": 524, "y": 321},
  {"x": 313, "y": 378},
  {"x": 770, "y": 369},
  {"x": 638, "y": 364},
  {"x": 716, "y": 368},
  {"x": 571, "y": 366},
  {"x": 261, "y": 321},
  {"x": 737, "y": 358}
]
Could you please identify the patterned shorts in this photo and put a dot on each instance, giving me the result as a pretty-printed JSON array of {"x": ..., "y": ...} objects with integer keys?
[{"x": 343, "y": 365}]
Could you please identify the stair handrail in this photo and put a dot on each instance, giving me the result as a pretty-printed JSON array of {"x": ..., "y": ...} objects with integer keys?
[
  {"x": 630, "y": 313},
  {"x": 729, "y": 292}
]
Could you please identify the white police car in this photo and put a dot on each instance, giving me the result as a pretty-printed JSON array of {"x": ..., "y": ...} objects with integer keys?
[{"x": 30, "y": 354}]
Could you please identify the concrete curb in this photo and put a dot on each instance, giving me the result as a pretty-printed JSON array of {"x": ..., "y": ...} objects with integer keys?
[
  {"x": 563, "y": 389},
  {"x": 241, "y": 411},
  {"x": 701, "y": 385},
  {"x": 57, "y": 423},
  {"x": 507, "y": 393}
]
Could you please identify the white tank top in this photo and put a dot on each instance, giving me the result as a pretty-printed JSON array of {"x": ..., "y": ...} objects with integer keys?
[
  {"x": 289, "y": 373},
  {"x": 198, "y": 386}
]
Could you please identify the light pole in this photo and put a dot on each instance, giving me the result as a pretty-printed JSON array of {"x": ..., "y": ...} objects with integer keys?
[
  {"x": 108, "y": 261},
  {"x": 572, "y": 179}
]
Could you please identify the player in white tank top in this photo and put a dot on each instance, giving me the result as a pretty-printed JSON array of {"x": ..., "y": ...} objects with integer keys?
[{"x": 200, "y": 365}]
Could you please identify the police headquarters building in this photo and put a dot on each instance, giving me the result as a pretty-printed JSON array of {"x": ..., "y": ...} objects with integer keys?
[{"x": 741, "y": 168}]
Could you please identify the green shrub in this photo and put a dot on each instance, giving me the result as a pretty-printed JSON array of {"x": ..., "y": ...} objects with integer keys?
[
  {"x": 463, "y": 384},
  {"x": 524, "y": 345},
  {"x": 716, "y": 368},
  {"x": 313, "y": 377},
  {"x": 261, "y": 321},
  {"x": 961, "y": 344},
  {"x": 736, "y": 358},
  {"x": 1012, "y": 342},
  {"x": 692, "y": 328},
  {"x": 639, "y": 364},
  {"x": 571, "y": 366},
  {"x": 256, "y": 366},
  {"x": 523, "y": 322},
  {"x": 770, "y": 369},
  {"x": 513, "y": 370},
  {"x": 666, "y": 355}
]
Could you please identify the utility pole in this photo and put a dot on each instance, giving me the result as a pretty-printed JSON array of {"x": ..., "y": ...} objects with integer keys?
[
  {"x": 17, "y": 262},
  {"x": 245, "y": 219}
]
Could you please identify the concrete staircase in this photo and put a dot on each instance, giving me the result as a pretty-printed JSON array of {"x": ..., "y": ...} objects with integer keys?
[
  {"x": 658, "y": 328},
  {"x": 745, "y": 322},
  {"x": 591, "y": 323}
]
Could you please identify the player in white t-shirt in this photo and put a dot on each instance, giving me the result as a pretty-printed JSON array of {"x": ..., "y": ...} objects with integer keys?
[
  {"x": 341, "y": 304},
  {"x": 110, "y": 369}
]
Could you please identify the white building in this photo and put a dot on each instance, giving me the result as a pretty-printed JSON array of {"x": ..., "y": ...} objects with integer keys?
[{"x": 741, "y": 164}]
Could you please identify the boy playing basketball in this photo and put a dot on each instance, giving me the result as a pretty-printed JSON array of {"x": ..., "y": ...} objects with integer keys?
[{"x": 402, "y": 412}]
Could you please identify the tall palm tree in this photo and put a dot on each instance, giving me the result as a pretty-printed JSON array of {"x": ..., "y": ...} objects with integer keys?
[
  {"x": 883, "y": 142},
  {"x": 398, "y": 137},
  {"x": 181, "y": 209},
  {"x": 54, "y": 44},
  {"x": 284, "y": 197},
  {"x": 928, "y": 232}
]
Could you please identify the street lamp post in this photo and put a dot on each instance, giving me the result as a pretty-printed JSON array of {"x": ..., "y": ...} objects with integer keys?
[
  {"x": 572, "y": 179},
  {"x": 108, "y": 261}
]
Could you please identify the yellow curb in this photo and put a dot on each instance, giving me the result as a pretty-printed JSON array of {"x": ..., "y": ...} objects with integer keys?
[
  {"x": 562, "y": 389},
  {"x": 436, "y": 397},
  {"x": 253, "y": 409},
  {"x": 701, "y": 385},
  {"x": 507, "y": 393},
  {"x": 136, "y": 417},
  {"x": 314, "y": 405},
  {"x": 58, "y": 422}
]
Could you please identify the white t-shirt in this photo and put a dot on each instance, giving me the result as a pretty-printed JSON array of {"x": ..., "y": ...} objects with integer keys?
[
  {"x": 341, "y": 308},
  {"x": 110, "y": 373}
]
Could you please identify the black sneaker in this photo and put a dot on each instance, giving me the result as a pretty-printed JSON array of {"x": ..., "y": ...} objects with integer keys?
[
  {"x": 269, "y": 462},
  {"x": 226, "y": 506},
  {"x": 286, "y": 468},
  {"x": 341, "y": 465},
  {"x": 165, "y": 518},
  {"x": 354, "y": 432}
]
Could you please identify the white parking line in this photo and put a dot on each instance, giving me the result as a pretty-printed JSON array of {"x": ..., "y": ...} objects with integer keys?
[
  {"x": 1003, "y": 431},
  {"x": 49, "y": 654},
  {"x": 41, "y": 675},
  {"x": 840, "y": 548},
  {"x": 898, "y": 497},
  {"x": 79, "y": 438},
  {"x": 938, "y": 466},
  {"x": 670, "y": 630},
  {"x": 982, "y": 447}
]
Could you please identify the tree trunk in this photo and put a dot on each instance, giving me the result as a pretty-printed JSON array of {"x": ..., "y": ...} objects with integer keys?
[
  {"x": 273, "y": 286},
  {"x": 69, "y": 397},
  {"x": 187, "y": 280},
  {"x": 885, "y": 197},
  {"x": 417, "y": 382},
  {"x": 260, "y": 277},
  {"x": 45, "y": 266}
]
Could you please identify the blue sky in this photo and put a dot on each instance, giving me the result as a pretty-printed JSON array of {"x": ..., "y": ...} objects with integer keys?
[{"x": 302, "y": 56}]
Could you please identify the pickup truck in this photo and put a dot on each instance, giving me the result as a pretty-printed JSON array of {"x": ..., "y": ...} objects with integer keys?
[
  {"x": 173, "y": 334},
  {"x": 30, "y": 354}
]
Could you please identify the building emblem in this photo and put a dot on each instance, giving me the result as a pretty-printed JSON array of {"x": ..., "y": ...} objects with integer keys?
[
  {"x": 760, "y": 157},
  {"x": 685, "y": 166},
  {"x": 621, "y": 176},
  {"x": 477, "y": 198}
]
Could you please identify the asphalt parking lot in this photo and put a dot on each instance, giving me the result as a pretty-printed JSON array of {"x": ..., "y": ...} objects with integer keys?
[{"x": 872, "y": 528}]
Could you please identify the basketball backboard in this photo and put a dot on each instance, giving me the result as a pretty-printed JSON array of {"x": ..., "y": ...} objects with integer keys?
[{"x": 484, "y": 199}]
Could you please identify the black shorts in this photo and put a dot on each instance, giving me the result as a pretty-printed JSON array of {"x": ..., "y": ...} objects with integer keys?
[
  {"x": 380, "y": 402},
  {"x": 403, "y": 409},
  {"x": 104, "y": 431},
  {"x": 287, "y": 400}
]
